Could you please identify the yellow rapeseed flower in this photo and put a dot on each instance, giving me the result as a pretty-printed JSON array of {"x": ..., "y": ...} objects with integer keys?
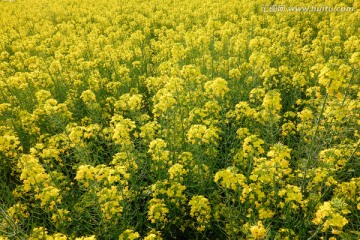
[{"x": 258, "y": 231}]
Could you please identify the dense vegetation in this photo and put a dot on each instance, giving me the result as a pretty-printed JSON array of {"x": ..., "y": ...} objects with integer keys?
[{"x": 193, "y": 119}]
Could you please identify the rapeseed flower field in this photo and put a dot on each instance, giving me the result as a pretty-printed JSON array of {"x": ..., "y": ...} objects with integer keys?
[{"x": 189, "y": 119}]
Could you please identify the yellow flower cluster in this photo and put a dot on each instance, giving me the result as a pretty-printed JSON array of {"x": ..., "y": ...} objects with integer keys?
[
  {"x": 330, "y": 214},
  {"x": 110, "y": 202},
  {"x": 129, "y": 235},
  {"x": 272, "y": 101},
  {"x": 200, "y": 210},
  {"x": 229, "y": 179},
  {"x": 35, "y": 178},
  {"x": 199, "y": 134},
  {"x": 258, "y": 231},
  {"x": 157, "y": 211},
  {"x": 176, "y": 172},
  {"x": 216, "y": 88}
]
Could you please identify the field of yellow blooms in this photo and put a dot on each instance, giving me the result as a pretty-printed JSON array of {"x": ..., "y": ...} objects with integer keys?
[{"x": 189, "y": 119}]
